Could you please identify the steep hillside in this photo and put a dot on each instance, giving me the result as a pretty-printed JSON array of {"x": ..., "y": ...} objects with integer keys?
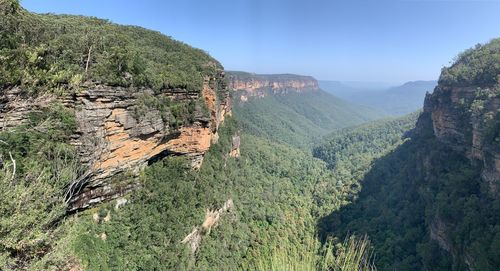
[
  {"x": 294, "y": 111},
  {"x": 85, "y": 105},
  {"x": 396, "y": 101},
  {"x": 90, "y": 111},
  {"x": 129, "y": 103},
  {"x": 268, "y": 200},
  {"x": 433, "y": 203},
  {"x": 361, "y": 144}
]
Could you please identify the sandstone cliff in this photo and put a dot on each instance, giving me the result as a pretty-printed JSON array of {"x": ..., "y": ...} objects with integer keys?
[
  {"x": 463, "y": 114},
  {"x": 122, "y": 129},
  {"x": 466, "y": 123},
  {"x": 260, "y": 85}
]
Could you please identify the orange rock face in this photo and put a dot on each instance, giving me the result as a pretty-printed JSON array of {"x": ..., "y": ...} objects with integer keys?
[
  {"x": 260, "y": 85},
  {"x": 124, "y": 151},
  {"x": 114, "y": 139},
  {"x": 117, "y": 133}
]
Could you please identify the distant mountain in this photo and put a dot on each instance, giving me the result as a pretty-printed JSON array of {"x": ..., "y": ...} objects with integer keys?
[{"x": 399, "y": 100}]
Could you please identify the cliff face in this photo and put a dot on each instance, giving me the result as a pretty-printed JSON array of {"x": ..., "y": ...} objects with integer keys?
[
  {"x": 466, "y": 120},
  {"x": 119, "y": 131},
  {"x": 260, "y": 85},
  {"x": 463, "y": 114}
]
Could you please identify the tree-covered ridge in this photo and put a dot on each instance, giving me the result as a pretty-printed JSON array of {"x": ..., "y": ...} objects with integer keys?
[
  {"x": 247, "y": 76},
  {"x": 48, "y": 52},
  {"x": 368, "y": 140},
  {"x": 478, "y": 66},
  {"x": 299, "y": 119}
]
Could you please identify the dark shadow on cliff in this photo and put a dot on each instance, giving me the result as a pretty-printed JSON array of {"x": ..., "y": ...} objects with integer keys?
[
  {"x": 401, "y": 196},
  {"x": 387, "y": 209}
]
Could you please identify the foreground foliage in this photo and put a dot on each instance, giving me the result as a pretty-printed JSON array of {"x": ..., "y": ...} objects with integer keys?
[
  {"x": 352, "y": 255},
  {"x": 37, "y": 164}
]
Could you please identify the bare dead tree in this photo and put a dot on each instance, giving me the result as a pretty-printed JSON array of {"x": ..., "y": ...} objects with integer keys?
[
  {"x": 13, "y": 167},
  {"x": 76, "y": 186},
  {"x": 88, "y": 59},
  {"x": 12, "y": 160}
]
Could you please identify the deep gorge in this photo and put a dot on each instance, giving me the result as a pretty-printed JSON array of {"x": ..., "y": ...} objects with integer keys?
[{"x": 124, "y": 149}]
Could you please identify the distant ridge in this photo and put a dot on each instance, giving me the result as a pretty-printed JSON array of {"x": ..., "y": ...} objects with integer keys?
[
  {"x": 263, "y": 84},
  {"x": 397, "y": 101}
]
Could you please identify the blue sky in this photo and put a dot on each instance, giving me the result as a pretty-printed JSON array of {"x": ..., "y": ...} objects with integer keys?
[{"x": 351, "y": 40}]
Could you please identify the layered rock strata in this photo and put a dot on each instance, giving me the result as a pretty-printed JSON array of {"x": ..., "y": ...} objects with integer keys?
[
  {"x": 116, "y": 134},
  {"x": 261, "y": 85}
]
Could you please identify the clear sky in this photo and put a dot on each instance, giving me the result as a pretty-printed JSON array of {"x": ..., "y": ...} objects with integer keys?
[{"x": 351, "y": 40}]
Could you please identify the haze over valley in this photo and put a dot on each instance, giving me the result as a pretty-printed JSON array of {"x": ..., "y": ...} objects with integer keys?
[{"x": 195, "y": 135}]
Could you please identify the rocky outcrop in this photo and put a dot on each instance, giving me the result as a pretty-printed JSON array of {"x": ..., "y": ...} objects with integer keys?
[
  {"x": 119, "y": 132},
  {"x": 260, "y": 85},
  {"x": 463, "y": 114},
  {"x": 212, "y": 218},
  {"x": 235, "y": 147},
  {"x": 466, "y": 120}
]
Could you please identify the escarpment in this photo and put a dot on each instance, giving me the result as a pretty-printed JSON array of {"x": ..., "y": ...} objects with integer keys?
[
  {"x": 463, "y": 114},
  {"x": 120, "y": 130},
  {"x": 466, "y": 119},
  {"x": 465, "y": 110},
  {"x": 134, "y": 100},
  {"x": 260, "y": 85}
]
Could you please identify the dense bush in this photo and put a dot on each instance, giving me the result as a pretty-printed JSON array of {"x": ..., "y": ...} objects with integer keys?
[
  {"x": 55, "y": 52},
  {"x": 479, "y": 66},
  {"x": 37, "y": 164},
  {"x": 299, "y": 119},
  {"x": 417, "y": 186},
  {"x": 272, "y": 198}
]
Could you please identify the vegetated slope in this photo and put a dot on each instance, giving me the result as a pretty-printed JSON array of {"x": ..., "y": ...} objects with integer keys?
[
  {"x": 369, "y": 140},
  {"x": 350, "y": 152},
  {"x": 433, "y": 203},
  {"x": 396, "y": 101},
  {"x": 55, "y": 52},
  {"x": 277, "y": 192},
  {"x": 299, "y": 119},
  {"x": 256, "y": 201},
  {"x": 272, "y": 187},
  {"x": 75, "y": 92}
]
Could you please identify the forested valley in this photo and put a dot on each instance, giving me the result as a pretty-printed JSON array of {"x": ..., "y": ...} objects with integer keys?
[{"x": 188, "y": 171}]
